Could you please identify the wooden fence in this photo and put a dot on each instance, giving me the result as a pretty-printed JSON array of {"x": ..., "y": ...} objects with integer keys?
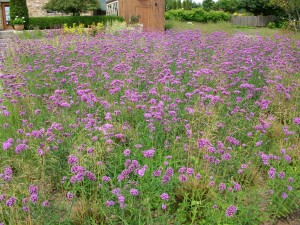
[{"x": 254, "y": 21}]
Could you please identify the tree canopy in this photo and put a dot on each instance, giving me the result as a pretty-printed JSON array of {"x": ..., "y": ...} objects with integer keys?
[
  {"x": 291, "y": 7},
  {"x": 72, "y": 6},
  {"x": 208, "y": 5},
  {"x": 260, "y": 7},
  {"x": 230, "y": 6}
]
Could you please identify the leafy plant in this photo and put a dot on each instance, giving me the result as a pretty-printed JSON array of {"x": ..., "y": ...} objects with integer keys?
[
  {"x": 18, "y": 21},
  {"x": 134, "y": 19},
  {"x": 271, "y": 25}
]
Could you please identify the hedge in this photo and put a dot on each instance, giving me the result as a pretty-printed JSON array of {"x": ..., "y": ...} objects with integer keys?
[
  {"x": 58, "y": 21},
  {"x": 197, "y": 15}
]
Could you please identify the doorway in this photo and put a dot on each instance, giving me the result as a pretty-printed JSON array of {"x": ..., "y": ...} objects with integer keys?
[{"x": 5, "y": 15}]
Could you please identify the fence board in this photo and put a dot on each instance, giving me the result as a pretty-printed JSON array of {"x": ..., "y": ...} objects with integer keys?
[{"x": 254, "y": 21}]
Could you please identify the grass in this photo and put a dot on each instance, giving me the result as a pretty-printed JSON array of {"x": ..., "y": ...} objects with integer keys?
[{"x": 231, "y": 29}]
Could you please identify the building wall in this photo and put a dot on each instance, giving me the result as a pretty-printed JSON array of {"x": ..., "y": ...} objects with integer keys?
[
  {"x": 1, "y": 20},
  {"x": 151, "y": 12},
  {"x": 35, "y": 8}
]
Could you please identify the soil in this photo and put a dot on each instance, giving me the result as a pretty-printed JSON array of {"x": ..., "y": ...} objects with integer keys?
[{"x": 292, "y": 219}]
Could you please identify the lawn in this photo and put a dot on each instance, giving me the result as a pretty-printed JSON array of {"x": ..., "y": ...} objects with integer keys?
[
  {"x": 182, "y": 127},
  {"x": 232, "y": 29}
]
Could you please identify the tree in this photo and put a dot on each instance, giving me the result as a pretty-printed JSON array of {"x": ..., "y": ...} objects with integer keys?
[
  {"x": 168, "y": 5},
  {"x": 19, "y": 8},
  {"x": 291, "y": 7},
  {"x": 72, "y": 6},
  {"x": 208, "y": 5},
  {"x": 187, "y": 4},
  {"x": 260, "y": 7},
  {"x": 179, "y": 5},
  {"x": 230, "y": 6},
  {"x": 195, "y": 5}
]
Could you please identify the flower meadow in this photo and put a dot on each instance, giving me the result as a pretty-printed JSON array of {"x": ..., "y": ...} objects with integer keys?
[{"x": 150, "y": 128}]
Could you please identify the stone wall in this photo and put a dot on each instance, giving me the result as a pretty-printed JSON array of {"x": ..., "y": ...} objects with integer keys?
[{"x": 35, "y": 8}]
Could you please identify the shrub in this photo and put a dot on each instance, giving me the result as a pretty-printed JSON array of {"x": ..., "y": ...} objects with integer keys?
[
  {"x": 18, "y": 8},
  {"x": 281, "y": 22},
  {"x": 271, "y": 25},
  {"x": 92, "y": 29},
  {"x": 197, "y": 15},
  {"x": 59, "y": 21}
]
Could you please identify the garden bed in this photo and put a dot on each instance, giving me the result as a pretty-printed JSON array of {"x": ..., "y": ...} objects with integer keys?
[{"x": 150, "y": 128}]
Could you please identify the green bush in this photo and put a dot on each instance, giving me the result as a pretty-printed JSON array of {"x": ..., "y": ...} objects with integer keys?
[
  {"x": 197, "y": 15},
  {"x": 59, "y": 21},
  {"x": 271, "y": 25},
  {"x": 281, "y": 22},
  {"x": 18, "y": 8}
]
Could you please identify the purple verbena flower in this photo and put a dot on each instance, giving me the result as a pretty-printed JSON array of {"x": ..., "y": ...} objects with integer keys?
[
  {"x": 230, "y": 211},
  {"x": 33, "y": 189},
  {"x": 134, "y": 192},
  {"x": 165, "y": 196},
  {"x": 109, "y": 203},
  {"x": 149, "y": 153},
  {"x": 11, "y": 201},
  {"x": 272, "y": 173}
]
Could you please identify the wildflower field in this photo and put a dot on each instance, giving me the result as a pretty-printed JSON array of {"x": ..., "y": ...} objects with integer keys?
[{"x": 150, "y": 128}]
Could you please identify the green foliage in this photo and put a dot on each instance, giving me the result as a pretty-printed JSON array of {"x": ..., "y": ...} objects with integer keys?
[
  {"x": 197, "y": 15},
  {"x": 180, "y": 4},
  {"x": 72, "y": 6},
  {"x": 208, "y": 5},
  {"x": 168, "y": 5},
  {"x": 187, "y": 4},
  {"x": 31, "y": 34},
  {"x": 291, "y": 7},
  {"x": 59, "y": 21},
  {"x": 260, "y": 7},
  {"x": 169, "y": 25},
  {"x": 18, "y": 8},
  {"x": 271, "y": 25},
  {"x": 230, "y": 6},
  {"x": 18, "y": 21}
]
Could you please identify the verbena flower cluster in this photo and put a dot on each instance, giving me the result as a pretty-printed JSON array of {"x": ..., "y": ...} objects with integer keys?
[{"x": 150, "y": 128}]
